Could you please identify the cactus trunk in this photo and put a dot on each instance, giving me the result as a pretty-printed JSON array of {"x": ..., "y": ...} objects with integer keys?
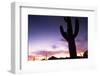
[{"x": 72, "y": 48}]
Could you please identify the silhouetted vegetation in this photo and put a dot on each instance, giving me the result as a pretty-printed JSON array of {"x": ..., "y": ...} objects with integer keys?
[
  {"x": 70, "y": 36},
  {"x": 55, "y": 58},
  {"x": 85, "y": 55},
  {"x": 61, "y": 58},
  {"x": 43, "y": 59}
]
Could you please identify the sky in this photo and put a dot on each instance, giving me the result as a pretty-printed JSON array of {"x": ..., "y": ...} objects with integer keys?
[{"x": 44, "y": 33}]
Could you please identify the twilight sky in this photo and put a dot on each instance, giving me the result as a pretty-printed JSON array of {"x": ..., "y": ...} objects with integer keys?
[{"x": 44, "y": 33}]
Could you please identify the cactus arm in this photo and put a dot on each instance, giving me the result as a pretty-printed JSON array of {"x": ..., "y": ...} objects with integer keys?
[
  {"x": 69, "y": 26},
  {"x": 76, "y": 28},
  {"x": 64, "y": 34},
  {"x": 65, "y": 19}
]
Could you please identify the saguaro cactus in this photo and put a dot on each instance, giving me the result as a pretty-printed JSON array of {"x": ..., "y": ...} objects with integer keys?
[{"x": 70, "y": 36}]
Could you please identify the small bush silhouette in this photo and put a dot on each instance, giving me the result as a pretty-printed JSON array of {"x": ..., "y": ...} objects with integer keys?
[{"x": 85, "y": 55}]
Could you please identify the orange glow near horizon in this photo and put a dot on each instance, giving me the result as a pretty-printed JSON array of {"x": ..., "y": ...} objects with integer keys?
[{"x": 35, "y": 57}]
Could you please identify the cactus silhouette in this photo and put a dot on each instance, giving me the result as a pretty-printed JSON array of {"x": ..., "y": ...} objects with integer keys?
[{"x": 70, "y": 36}]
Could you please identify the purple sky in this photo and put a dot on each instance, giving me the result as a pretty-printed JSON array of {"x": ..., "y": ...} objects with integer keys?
[{"x": 44, "y": 33}]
